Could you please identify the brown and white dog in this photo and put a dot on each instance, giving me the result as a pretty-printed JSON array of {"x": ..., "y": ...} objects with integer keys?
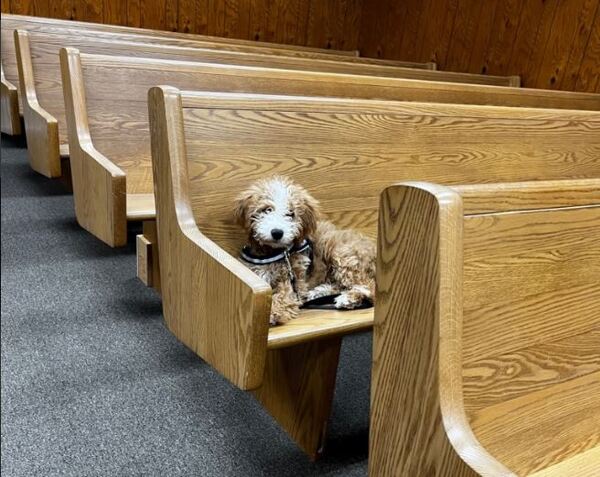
[{"x": 301, "y": 257}]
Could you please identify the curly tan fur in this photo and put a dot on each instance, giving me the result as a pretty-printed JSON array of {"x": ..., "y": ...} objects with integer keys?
[{"x": 343, "y": 261}]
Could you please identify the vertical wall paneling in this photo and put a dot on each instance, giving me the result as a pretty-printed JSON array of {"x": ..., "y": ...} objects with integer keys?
[
  {"x": 588, "y": 77},
  {"x": 549, "y": 43}
]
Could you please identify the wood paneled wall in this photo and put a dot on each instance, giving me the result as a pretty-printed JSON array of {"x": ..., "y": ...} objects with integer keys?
[
  {"x": 552, "y": 44},
  {"x": 322, "y": 23}
]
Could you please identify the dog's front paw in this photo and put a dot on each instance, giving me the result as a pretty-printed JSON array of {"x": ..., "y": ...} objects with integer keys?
[
  {"x": 283, "y": 314},
  {"x": 352, "y": 298},
  {"x": 346, "y": 302},
  {"x": 319, "y": 291}
]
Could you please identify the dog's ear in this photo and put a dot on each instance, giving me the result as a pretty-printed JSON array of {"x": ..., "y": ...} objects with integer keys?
[
  {"x": 309, "y": 214},
  {"x": 240, "y": 207}
]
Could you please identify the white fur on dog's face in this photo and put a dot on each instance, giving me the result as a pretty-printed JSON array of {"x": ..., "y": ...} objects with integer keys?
[{"x": 276, "y": 212}]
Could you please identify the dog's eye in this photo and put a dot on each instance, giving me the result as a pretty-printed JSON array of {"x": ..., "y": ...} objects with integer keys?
[
  {"x": 266, "y": 210},
  {"x": 291, "y": 215}
]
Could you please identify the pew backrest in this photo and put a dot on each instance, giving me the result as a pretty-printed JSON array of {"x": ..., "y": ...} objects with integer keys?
[
  {"x": 488, "y": 304},
  {"x": 209, "y": 146},
  {"x": 115, "y": 92}
]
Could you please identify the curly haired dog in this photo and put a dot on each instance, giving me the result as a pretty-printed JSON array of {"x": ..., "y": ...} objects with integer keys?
[{"x": 301, "y": 257}]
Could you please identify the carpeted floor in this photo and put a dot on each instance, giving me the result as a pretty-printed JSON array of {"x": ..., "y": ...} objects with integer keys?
[{"x": 94, "y": 385}]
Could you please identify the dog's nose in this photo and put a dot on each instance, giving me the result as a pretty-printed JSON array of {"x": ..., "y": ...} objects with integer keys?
[{"x": 276, "y": 233}]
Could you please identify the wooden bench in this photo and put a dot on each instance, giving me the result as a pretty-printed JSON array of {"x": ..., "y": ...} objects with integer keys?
[
  {"x": 207, "y": 147},
  {"x": 108, "y": 130},
  {"x": 10, "y": 23},
  {"x": 43, "y": 107},
  {"x": 486, "y": 353}
]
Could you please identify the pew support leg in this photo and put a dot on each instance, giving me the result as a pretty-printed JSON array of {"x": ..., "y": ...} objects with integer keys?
[
  {"x": 9, "y": 107},
  {"x": 148, "y": 270},
  {"x": 298, "y": 389}
]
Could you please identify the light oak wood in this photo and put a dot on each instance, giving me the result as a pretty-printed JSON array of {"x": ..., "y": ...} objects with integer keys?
[
  {"x": 9, "y": 106},
  {"x": 116, "y": 87},
  {"x": 292, "y": 374},
  {"x": 297, "y": 390},
  {"x": 585, "y": 464},
  {"x": 366, "y": 145},
  {"x": 418, "y": 424},
  {"x": 144, "y": 259},
  {"x": 41, "y": 128},
  {"x": 39, "y": 67},
  {"x": 521, "y": 321},
  {"x": 208, "y": 146}
]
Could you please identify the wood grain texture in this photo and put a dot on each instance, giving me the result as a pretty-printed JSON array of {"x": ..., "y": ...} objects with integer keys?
[
  {"x": 43, "y": 77},
  {"x": 41, "y": 127},
  {"x": 418, "y": 425},
  {"x": 583, "y": 464},
  {"x": 502, "y": 251},
  {"x": 550, "y": 44},
  {"x": 116, "y": 107},
  {"x": 229, "y": 328},
  {"x": 9, "y": 106},
  {"x": 530, "y": 395},
  {"x": 297, "y": 390},
  {"x": 229, "y": 332},
  {"x": 46, "y": 25},
  {"x": 331, "y": 25},
  {"x": 99, "y": 186},
  {"x": 487, "y": 198},
  {"x": 353, "y": 139}
]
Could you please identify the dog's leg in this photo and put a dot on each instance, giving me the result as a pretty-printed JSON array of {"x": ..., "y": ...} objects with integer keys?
[
  {"x": 319, "y": 291},
  {"x": 285, "y": 304},
  {"x": 352, "y": 298}
]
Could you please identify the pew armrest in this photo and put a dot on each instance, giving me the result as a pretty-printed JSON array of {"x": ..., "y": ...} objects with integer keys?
[
  {"x": 9, "y": 108},
  {"x": 100, "y": 209},
  {"x": 40, "y": 126},
  {"x": 213, "y": 303}
]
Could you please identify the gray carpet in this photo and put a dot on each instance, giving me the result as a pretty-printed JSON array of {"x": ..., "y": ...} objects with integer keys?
[{"x": 94, "y": 385}]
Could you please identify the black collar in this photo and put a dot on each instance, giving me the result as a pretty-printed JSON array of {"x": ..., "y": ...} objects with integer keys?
[{"x": 246, "y": 254}]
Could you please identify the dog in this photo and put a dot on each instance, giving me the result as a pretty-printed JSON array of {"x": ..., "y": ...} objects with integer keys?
[{"x": 302, "y": 257}]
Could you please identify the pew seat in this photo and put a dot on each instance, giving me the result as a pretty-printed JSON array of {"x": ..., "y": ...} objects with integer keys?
[
  {"x": 140, "y": 207},
  {"x": 487, "y": 330},
  {"x": 206, "y": 147}
]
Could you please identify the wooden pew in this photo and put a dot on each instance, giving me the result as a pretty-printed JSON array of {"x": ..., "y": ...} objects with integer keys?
[
  {"x": 119, "y": 33},
  {"x": 43, "y": 107},
  {"x": 206, "y": 147},
  {"x": 105, "y": 99},
  {"x": 486, "y": 353}
]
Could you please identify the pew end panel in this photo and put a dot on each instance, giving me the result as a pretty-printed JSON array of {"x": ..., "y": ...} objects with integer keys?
[
  {"x": 99, "y": 186},
  {"x": 211, "y": 302},
  {"x": 495, "y": 311},
  {"x": 416, "y": 340},
  {"x": 41, "y": 128},
  {"x": 291, "y": 368},
  {"x": 9, "y": 106}
]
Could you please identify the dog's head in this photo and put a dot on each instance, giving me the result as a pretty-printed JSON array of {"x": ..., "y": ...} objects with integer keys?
[{"x": 276, "y": 213}]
